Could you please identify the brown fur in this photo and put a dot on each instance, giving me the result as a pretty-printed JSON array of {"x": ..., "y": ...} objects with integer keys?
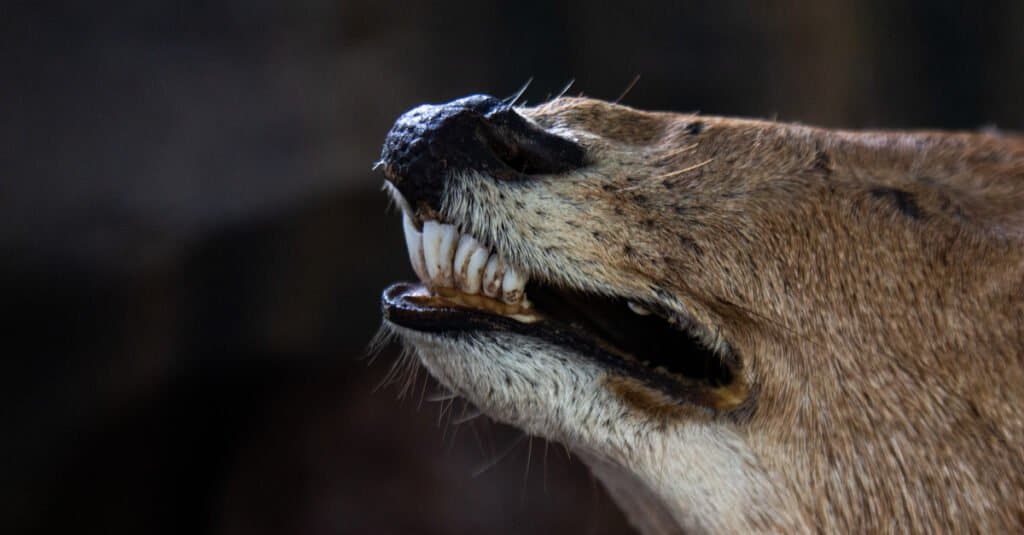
[
  {"x": 872, "y": 284},
  {"x": 868, "y": 286}
]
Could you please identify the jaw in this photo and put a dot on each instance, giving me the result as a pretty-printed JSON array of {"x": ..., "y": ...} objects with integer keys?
[
  {"x": 552, "y": 393},
  {"x": 669, "y": 475},
  {"x": 536, "y": 386}
]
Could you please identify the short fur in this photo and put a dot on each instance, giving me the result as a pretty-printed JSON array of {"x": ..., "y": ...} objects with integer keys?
[{"x": 871, "y": 285}]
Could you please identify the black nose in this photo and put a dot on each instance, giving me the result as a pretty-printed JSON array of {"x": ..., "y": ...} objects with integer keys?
[{"x": 480, "y": 133}]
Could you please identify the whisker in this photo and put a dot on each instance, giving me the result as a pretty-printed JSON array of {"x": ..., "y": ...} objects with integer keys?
[
  {"x": 526, "y": 473},
  {"x": 511, "y": 101},
  {"x": 410, "y": 374},
  {"x": 565, "y": 89},
  {"x": 441, "y": 396},
  {"x": 377, "y": 344},
  {"x": 685, "y": 170},
  {"x": 441, "y": 412},
  {"x": 476, "y": 436},
  {"x": 458, "y": 423},
  {"x": 544, "y": 480},
  {"x": 667, "y": 175},
  {"x": 501, "y": 456},
  {"x": 628, "y": 89},
  {"x": 392, "y": 372},
  {"x": 423, "y": 391},
  {"x": 677, "y": 152},
  {"x": 466, "y": 418},
  {"x": 444, "y": 423}
]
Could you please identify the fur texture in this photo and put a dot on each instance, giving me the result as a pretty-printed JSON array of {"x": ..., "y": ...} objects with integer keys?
[{"x": 870, "y": 284}]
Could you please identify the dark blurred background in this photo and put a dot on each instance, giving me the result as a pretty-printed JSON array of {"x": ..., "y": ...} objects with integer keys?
[{"x": 194, "y": 242}]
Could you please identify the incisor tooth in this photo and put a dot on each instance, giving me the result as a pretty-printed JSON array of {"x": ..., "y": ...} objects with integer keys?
[
  {"x": 465, "y": 279},
  {"x": 493, "y": 275},
  {"x": 512, "y": 286},
  {"x": 475, "y": 270},
  {"x": 446, "y": 252},
  {"x": 466, "y": 247},
  {"x": 414, "y": 244}
]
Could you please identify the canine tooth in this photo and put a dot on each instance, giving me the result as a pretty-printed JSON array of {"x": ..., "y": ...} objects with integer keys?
[
  {"x": 638, "y": 309},
  {"x": 431, "y": 243},
  {"x": 438, "y": 248},
  {"x": 414, "y": 244},
  {"x": 513, "y": 285},
  {"x": 493, "y": 275},
  {"x": 475, "y": 270}
]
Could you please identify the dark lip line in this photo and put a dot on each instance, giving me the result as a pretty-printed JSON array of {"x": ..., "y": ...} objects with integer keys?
[{"x": 455, "y": 321}]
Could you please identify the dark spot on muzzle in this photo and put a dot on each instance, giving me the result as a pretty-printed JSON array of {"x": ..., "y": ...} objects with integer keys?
[{"x": 430, "y": 143}]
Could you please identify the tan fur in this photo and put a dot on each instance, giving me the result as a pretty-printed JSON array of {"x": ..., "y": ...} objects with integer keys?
[{"x": 869, "y": 284}]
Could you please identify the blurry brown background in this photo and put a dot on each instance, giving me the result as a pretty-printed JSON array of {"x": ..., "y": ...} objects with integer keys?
[{"x": 194, "y": 243}]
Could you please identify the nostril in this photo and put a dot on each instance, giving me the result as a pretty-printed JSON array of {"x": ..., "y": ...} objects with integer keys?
[
  {"x": 508, "y": 151},
  {"x": 527, "y": 148}
]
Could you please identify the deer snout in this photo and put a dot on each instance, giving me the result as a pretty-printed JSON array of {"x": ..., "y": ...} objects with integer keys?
[{"x": 429, "y": 144}]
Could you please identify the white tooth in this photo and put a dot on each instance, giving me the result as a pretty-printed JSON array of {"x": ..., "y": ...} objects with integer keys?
[
  {"x": 513, "y": 284},
  {"x": 493, "y": 275},
  {"x": 414, "y": 244},
  {"x": 431, "y": 244},
  {"x": 638, "y": 309},
  {"x": 460, "y": 267},
  {"x": 449, "y": 239},
  {"x": 475, "y": 270},
  {"x": 438, "y": 247}
]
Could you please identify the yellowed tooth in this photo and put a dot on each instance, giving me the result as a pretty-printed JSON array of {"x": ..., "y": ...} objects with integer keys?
[
  {"x": 513, "y": 286},
  {"x": 414, "y": 244},
  {"x": 493, "y": 275}
]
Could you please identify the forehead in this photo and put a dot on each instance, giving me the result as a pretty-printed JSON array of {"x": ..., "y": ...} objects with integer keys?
[{"x": 608, "y": 121}]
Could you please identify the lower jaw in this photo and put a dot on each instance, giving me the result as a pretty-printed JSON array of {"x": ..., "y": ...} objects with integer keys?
[
  {"x": 449, "y": 313},
  {"x": 444, "y": 310}
]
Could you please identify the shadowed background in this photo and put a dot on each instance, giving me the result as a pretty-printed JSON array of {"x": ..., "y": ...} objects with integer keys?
[{"x": 193, "y": 241}]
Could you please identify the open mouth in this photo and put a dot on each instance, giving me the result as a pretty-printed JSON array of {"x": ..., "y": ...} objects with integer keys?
[{"x": 464, "y": 287}]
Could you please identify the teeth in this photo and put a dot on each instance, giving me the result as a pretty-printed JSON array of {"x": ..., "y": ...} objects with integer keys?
[
  {"x": 470, "y": 258},
  {"x": 494, "y": 274},
  {"x": 638, "y": 309},
  {"x": 414, "y": 243},
  {"x": 477, "y": 263},
  {"x": 442, "y": 258},
  {"x": 438, "y": 249},
  {"x": 513, "y": 285}
]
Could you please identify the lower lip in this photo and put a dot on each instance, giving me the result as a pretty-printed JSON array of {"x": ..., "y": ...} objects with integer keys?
[{"x": 412, "y": 305}]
